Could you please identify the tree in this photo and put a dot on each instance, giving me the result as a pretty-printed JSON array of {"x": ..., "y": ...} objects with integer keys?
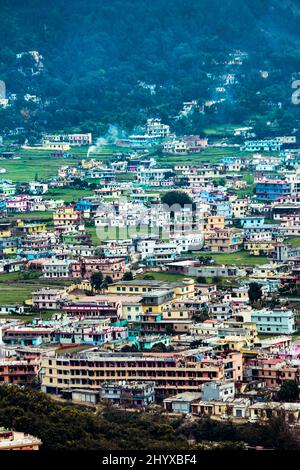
[
  {"x": 159, "y": 347},
  {"x": 108, "y": 280},
  {"x": 201, "y": 280},
  {"x": 254, "y": 292},
  {"x": 176, "y": 197},
  {"x": 128, "y": 276},
  {"x": 96, "y": 280},
  {"x": 289, "y": 391},
  {"x": 216, "y": 280}
]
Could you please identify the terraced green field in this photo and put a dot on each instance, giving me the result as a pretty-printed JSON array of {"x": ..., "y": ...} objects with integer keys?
[
  {"x": 37, "y": 162},
  {"x": 241, "y": 258}
]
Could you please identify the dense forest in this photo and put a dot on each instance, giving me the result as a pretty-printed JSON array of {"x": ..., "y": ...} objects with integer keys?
[
  {"x": 66, "y": 427},
  {"x": 121, "y": 61}
]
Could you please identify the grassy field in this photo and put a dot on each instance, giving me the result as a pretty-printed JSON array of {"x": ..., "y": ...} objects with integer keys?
[
  {"x": 217, "y": 131},
  {"x": 38, "y": 162},
  {"x": 15, "y": 288},
  {"x": 29, "y": 318},
  {"x": 31, "y": 216},
  {"x": 35, "y": 164},
  {"x": 159, "y": 276},
  {"x": 241, "y": 258},
  {"x": 295, "y": 241},
  {"x": 16, "y": 293},
  {"x": 68, "y": 194},
  {"x": 209, "y": 155}
]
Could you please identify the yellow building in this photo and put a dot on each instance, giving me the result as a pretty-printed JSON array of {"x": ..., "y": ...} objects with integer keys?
[
  {"x": 259, "y": 248},
  {"x": 214, "y": 222},
  {"x": 5, "y": 231},
  {"x": 10, "y": 250},
  {"x": 66, "y": 215},
  {"x": 183, "y": 288},
  {"x": 31, "y": 228},
  {"x": 157, "y": 295},
  {"x": 176, "y": 314}
]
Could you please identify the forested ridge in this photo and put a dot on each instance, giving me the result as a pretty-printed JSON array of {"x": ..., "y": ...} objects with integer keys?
[{"x": 97, "y": 53}]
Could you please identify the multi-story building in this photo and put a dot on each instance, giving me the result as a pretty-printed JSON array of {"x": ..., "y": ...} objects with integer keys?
[
  {"x": 66, "y": 215},
  {"x": 226, "y": 240},
  {"x": 272, "y": 371},
  {"x": 113, "y": 267},
  {"x": 259, "y": 248},
  {"x": 131, "y": 394},
  {"x": 59, "y": 269},
  {"x": 72, "y": 139},
  {"x": 267, "y": 145},
  {"x": 12, "y": 440},
  {"x": 155, "y": 127},
  {"x": 47, "y": 298},
  {"x": 94, "y": 309},
  {"x": 276, "y": 321},
  {"x": 18, "y": 372},
  {"x": 172, "y": 372},
  {"x": 178, "y": 289},
  {"x": 17, "y": 204},
  {"x": 270, "y": 190}
]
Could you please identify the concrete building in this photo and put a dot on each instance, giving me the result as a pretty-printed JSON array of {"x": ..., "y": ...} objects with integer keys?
[
  {"x": 12, "y": 440},
  {"x": 183, "y": 371},
  {"x": 277, "y": 321},
  {"x": 129, "y": 394},
  {"x": 218, "y": 391},
  {"x": 181, "y": 403}
]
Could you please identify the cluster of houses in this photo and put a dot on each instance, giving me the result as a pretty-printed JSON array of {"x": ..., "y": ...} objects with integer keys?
[{"x": 168, "y": 319}]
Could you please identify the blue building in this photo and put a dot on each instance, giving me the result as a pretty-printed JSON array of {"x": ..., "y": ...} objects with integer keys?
[
  {"x": 272, "y": 190},
  {"x": 83, "y": 205}
]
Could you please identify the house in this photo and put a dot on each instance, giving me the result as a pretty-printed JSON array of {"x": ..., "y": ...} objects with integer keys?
[
  {"x": 270, "y": 190},
  {"x": 11, "y": 310},
  {"x": 12, "y": 440},
  {"x": 181, "y": 403},
  {"x": 66, "y": 215},
  {"x": 47, "y": 298},
  {"x": 233, "y": 407},
  {"x": 57, "y": 146},
  {"x": 196, "y": 269},
  {"x": 71, "y": 139},
  {"x": 83, "y": 396},
  {"x": 226, "y": 240},
  {"x": 129, "y": 394},
  {"x": 37, "y": 188},
  {"x": 262, "y": 411},
  {"x": 267, "y": 145},
  {"x": 218, "y": 391},
  {"x": 7, "y": 188},
  {"x": 276, "y": 321}
]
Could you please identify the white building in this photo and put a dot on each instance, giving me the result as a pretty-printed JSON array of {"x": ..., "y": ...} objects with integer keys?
[{"x": 156, "y": 128}]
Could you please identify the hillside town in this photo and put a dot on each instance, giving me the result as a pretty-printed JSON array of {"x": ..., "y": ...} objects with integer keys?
[{"x": 146, "y": 284}]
